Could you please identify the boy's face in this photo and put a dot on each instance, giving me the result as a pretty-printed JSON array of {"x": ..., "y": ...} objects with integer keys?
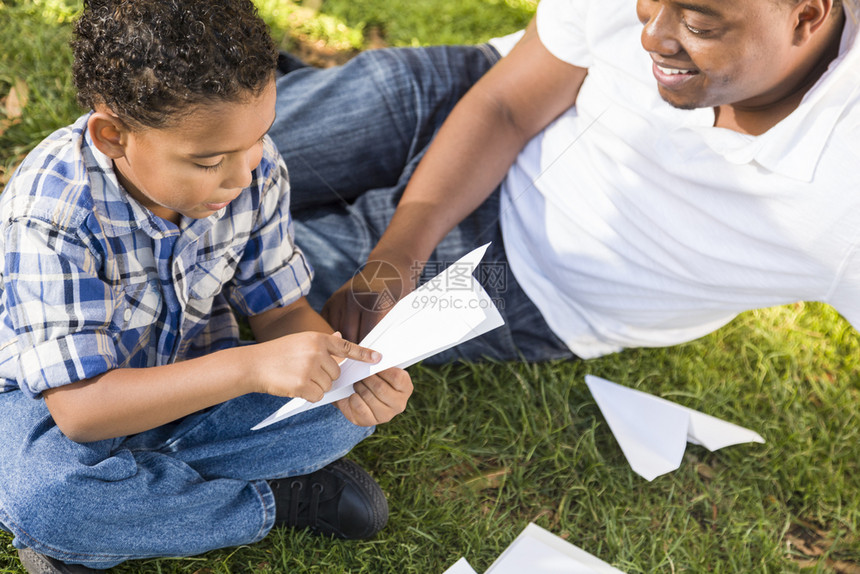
[
  {"x": 201, "y": 162},
  {"x": 709, "y": 53}
]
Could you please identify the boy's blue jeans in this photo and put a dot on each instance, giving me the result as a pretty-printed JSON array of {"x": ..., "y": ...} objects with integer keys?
[
  {"x": 352, "y": 133},
  {"x": 177, "y": 490}
]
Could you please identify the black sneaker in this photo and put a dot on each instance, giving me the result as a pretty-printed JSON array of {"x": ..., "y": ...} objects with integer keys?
[
  {"x": 339, "y": 500},
  {"x": 36, "y": 563}
]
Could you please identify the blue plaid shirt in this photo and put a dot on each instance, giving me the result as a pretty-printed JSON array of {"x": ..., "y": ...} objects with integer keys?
[{"x": 93, "y": 281}]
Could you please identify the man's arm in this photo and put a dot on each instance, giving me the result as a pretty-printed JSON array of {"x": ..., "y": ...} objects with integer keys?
[{"x": 468, "y": 159}]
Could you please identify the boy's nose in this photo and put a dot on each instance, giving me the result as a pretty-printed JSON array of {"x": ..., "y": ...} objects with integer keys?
[
  {"x": 241, "y": 179},
  {"x": 241, "y": 172}
]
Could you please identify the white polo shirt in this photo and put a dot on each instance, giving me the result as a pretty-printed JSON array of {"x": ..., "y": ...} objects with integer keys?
[{"x": 630, "y": 223}]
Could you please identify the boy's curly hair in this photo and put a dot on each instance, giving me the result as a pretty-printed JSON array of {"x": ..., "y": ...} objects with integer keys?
[{"x": 151, "y": 60}]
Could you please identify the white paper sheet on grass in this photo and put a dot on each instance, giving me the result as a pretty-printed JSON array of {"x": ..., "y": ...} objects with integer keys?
[
  {"x": 538, "y": 551},
  {"x": 448, "y": 310},
  {"x": 653, "y": 432},
  {"x": 461, "y": 566}
]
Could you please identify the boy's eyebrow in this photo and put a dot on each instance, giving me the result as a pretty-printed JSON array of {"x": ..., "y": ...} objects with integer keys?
[{"x": 214, "y": 153}]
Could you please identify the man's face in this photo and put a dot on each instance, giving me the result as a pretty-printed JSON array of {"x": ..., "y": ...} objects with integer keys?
[
  {"x": 710, "y": 53},
  {"x": 202, "y": 161}
]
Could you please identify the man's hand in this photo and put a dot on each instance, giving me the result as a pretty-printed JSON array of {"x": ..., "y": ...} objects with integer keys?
[
  {"x": 378, "y": 398},
  {"x": 363, "y": 301}
]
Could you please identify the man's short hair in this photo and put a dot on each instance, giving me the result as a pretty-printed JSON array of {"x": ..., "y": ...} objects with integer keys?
[{"x": 152, "y": 60}]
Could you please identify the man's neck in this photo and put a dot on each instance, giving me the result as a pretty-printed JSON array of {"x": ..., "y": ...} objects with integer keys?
[{"x": 756, "y": 120}]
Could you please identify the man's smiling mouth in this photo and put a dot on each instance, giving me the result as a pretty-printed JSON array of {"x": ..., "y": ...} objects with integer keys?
[
  {"x": 673, "y": 71},
  {"x": 673, "y": 78}
]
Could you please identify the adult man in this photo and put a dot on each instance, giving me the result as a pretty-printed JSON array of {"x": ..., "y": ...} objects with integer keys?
[{"x": 630, "y": 216}]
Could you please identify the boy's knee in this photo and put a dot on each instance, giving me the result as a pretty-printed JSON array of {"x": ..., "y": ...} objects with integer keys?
[
  {"x": 38, "y": 514},
  {"x": 44, "y": 505}
]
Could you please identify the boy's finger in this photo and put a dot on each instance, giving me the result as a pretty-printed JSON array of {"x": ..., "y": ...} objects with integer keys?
[
  {"x": 342, "y": 348},
  {"x": 331, "y": 368},
  {"x": 398, "y": 379},
  {"x": 315, "y": 391},
  {"x": 356, "y": 412},
  {"x": 381, "y": 391},
  {"x": 379, "y": 409}
]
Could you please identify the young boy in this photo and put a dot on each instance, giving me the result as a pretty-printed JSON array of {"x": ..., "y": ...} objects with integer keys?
[{"x": 125, "y": 397}]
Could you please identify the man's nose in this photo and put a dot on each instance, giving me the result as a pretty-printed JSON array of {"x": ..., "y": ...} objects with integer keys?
[{"x": 659, "y": 31}]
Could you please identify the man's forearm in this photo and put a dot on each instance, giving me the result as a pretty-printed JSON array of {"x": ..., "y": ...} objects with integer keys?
[
  {"x": 476, "y": 146},
  {"x": 468, "y": 159}
]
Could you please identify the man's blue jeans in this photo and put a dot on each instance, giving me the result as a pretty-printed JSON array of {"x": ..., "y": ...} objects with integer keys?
[{"x": 351, "y": 138}]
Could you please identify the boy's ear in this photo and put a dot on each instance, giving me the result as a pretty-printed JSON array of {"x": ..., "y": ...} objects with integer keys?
[{"x": 109, "y": 133}]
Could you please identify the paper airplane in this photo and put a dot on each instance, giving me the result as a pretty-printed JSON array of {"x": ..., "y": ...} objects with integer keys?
[
  {"x": 448, "y": 310},
  {"x": 654, "y": 432},
  {"x": 539, "y": 551},
  {"x": 461, "y": 566}
]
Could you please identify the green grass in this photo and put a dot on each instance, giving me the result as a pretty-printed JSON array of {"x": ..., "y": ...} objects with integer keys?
[
  {"x": 426, "y": 22},
  {"x": 484, "y": 449},
  {"x": 35, "y": 57}
]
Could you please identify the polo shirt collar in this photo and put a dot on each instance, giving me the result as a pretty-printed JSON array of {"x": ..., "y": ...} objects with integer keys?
[{"x": 795, "y": 145}]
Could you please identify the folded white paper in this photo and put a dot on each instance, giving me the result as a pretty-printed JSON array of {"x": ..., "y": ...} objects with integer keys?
[
  {"x": 538, "y": 551},
  {"x": 653, "y": 432},
  {"x": 461, "y": 566},
  {"x": 448, "y": 310}
]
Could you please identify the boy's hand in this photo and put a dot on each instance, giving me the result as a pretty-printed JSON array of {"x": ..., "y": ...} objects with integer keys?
[
  {"x": 378, "y": 398},
  {"x": 303, "y": 364}
]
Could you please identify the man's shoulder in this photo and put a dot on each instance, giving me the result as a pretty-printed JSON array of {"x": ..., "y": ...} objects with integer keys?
[{"x": 587, "y": 31}]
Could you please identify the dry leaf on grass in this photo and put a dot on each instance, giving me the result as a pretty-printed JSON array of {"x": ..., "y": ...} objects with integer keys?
[
  {"x": 13, "y": 104},
  {"x": 16, "y": 101},
  {"x": 813, "y": 543}
]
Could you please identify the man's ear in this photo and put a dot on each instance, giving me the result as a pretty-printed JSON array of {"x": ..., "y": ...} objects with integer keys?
[
  {"x": 811, "y": 15},
  {"x": 109, "y": 133}
]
